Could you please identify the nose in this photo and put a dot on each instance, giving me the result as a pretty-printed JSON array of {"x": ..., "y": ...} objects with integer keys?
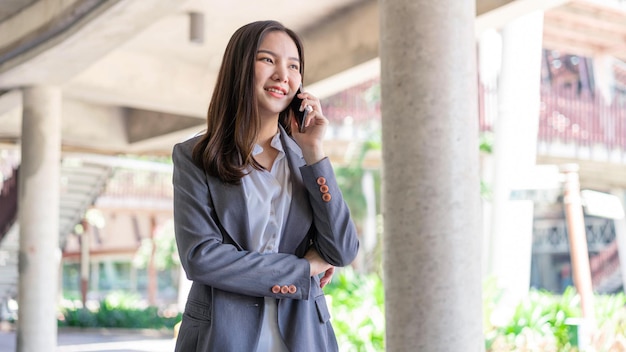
[{"x": 281, "y": 73}]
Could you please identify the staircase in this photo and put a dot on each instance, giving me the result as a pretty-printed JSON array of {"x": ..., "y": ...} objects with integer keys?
[
  {"x": 8, "y": 200},
  {"x": 9, "y": 241},
  {"x": 605, "y": 270},
  {"x": 81, "y": 183},
  {"x": 8, "y": 265}
]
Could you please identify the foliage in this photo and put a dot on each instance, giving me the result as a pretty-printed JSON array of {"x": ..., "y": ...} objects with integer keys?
[
  {"x": 357, "y": 308},
  {"x": 541, "y": 322},
  {"x": 486, "y": 142},
  {"x": 544, "y": 321},
  {"x": 486, "y": 147},
  {"x": 372, "y": 95},
  {"x": 350, "y": 176},
  {"x": 166, "y": 254},
  {"x": 118, "y": 310},
  {"x": 610, "y": 313},
  {"x": 349, "y": 180},
  {"x": 543, "y": 314}
]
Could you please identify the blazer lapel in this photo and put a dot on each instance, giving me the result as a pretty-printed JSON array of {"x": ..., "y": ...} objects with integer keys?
[
  {"x": 300, "y": 214},
  {"x": 229, "y": 203}
]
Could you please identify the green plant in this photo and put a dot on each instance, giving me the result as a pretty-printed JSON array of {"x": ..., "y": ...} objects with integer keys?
[
  {"x": 610, "y": 313},
  {"x": 544, "y": 321},
  {"x": 118, "y": 310},
  {"x": 350, "y": 176},
  {"x": 540, "y": 318},
  {"x": 164, "y": 246},
  {"x": 357, "y": 308}
]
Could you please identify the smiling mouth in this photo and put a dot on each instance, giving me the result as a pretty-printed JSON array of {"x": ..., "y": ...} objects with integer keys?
[{"x": 273, "y": 90}]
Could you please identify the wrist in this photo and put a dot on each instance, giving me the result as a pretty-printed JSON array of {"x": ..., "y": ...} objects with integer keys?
[{"x": 313, "y": 156}]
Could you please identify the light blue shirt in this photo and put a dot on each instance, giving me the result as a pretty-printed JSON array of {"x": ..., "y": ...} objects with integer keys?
[{"x": 268, "y": 197}]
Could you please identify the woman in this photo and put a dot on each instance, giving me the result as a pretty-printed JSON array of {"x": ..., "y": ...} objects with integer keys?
[{"x": 257, "y": 209}]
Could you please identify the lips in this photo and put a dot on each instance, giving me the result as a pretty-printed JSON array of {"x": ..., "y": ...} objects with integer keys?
[{"x": 277, "y": 90}]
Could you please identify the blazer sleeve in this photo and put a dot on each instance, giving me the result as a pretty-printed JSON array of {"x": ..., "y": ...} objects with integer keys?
[
  {"x": 210, "y": 259},
  {"x": 336, "y": 239}
]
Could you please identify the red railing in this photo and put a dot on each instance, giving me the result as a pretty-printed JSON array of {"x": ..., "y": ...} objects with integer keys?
[
  {"x": 140, "y": 184},
  {"x": 581, "y": 118},
  {"x": 361, "y": 103},
  {"x": 8, "y": 202},
  {"x": 9, "y": 165},
  {"x": 567, "y": 116}
]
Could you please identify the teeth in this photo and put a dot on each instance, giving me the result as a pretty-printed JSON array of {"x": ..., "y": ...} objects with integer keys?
[{"x": 275, "y": 90}]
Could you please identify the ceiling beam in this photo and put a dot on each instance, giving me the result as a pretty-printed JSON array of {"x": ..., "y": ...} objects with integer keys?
[
  {"x": 497, "y": 13},
  {"x": 343, "y": 51},
  {"x": 105, "y": 27},
  {"x": 342, "y": 41},
  {"x": 142, "y": 125},
  {"x": 34, "y": 18},
  {"x": 150, "y": 83}
]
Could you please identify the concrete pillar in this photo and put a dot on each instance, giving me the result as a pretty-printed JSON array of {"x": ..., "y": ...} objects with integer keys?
[
  {"x": 431, "y": 195},
  {"x": 604, "y": 76},
  {"x": 515, "y": 153},
  {"x": 604, "y": 82},
  {"x": 39, "y": 253}
]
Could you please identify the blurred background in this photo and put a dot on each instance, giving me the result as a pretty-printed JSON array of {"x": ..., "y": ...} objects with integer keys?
[{"x": 135, "y": 77}]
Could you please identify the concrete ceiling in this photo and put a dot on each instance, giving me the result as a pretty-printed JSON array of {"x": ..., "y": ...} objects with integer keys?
[
  {"x": 11, "y": 7},
  {"x": 134, "y": 82}
]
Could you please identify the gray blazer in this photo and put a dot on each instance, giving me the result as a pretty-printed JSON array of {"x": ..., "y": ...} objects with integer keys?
[{"x": 225, "y": 305}]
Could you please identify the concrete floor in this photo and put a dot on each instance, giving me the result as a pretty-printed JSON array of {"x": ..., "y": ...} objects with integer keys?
[{"x": 102, "y": 340}]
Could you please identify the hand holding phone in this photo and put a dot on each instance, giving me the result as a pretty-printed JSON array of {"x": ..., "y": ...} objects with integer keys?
[{"x": 295, "y": 106}]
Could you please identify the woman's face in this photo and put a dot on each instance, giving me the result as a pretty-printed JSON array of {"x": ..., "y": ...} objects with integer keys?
[{"x": 276, "y": 73}]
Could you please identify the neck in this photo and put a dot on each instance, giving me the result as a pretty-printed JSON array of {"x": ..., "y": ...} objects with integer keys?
[{"x": 269, "y": 128}]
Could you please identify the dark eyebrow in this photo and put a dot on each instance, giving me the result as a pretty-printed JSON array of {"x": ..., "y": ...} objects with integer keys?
[{"x": 274, "y": 54}]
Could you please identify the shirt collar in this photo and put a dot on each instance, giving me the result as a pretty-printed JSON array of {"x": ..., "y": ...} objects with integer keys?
[{"x": 275, "y": 143}]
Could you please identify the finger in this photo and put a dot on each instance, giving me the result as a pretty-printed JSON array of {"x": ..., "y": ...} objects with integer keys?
[
  {"x": 308, "y": 99},
  {"x": 309, "y": 117},
  {"x": 328, "y": 276},
  {"x": 317, "y": 118},
  {"x": 325, "y": 280},
  {"x": 294, "y": 123},
  {"x": 331, "y": 271}
]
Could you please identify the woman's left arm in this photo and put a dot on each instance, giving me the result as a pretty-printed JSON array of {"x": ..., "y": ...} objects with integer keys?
[{"x": 336, "y": 239}]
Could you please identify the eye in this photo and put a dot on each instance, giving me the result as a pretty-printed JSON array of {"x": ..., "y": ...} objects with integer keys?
[
  {"x": 266, "y": 59},
  {"x": 294, "y": 67}
]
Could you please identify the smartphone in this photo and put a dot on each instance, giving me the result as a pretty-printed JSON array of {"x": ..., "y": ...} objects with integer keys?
[{"x": 300, "y": 115}]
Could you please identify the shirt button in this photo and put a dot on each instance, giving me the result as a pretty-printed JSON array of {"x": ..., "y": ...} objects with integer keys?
[
  {"x": 321, "y": 180},
  {"x": 326, "y": 197},
  {"x": 284, "y": 290},
  {"x": 293, "y": 289},
  {"x": 324, "y": 188},
  {"x": 276, "y": 289}
]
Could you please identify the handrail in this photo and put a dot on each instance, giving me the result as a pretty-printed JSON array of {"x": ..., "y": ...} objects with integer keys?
[
  {"x": 568, "y": 116},
  {"x": 8, "y": 203},
  {"x": 582, "y": 118}
]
